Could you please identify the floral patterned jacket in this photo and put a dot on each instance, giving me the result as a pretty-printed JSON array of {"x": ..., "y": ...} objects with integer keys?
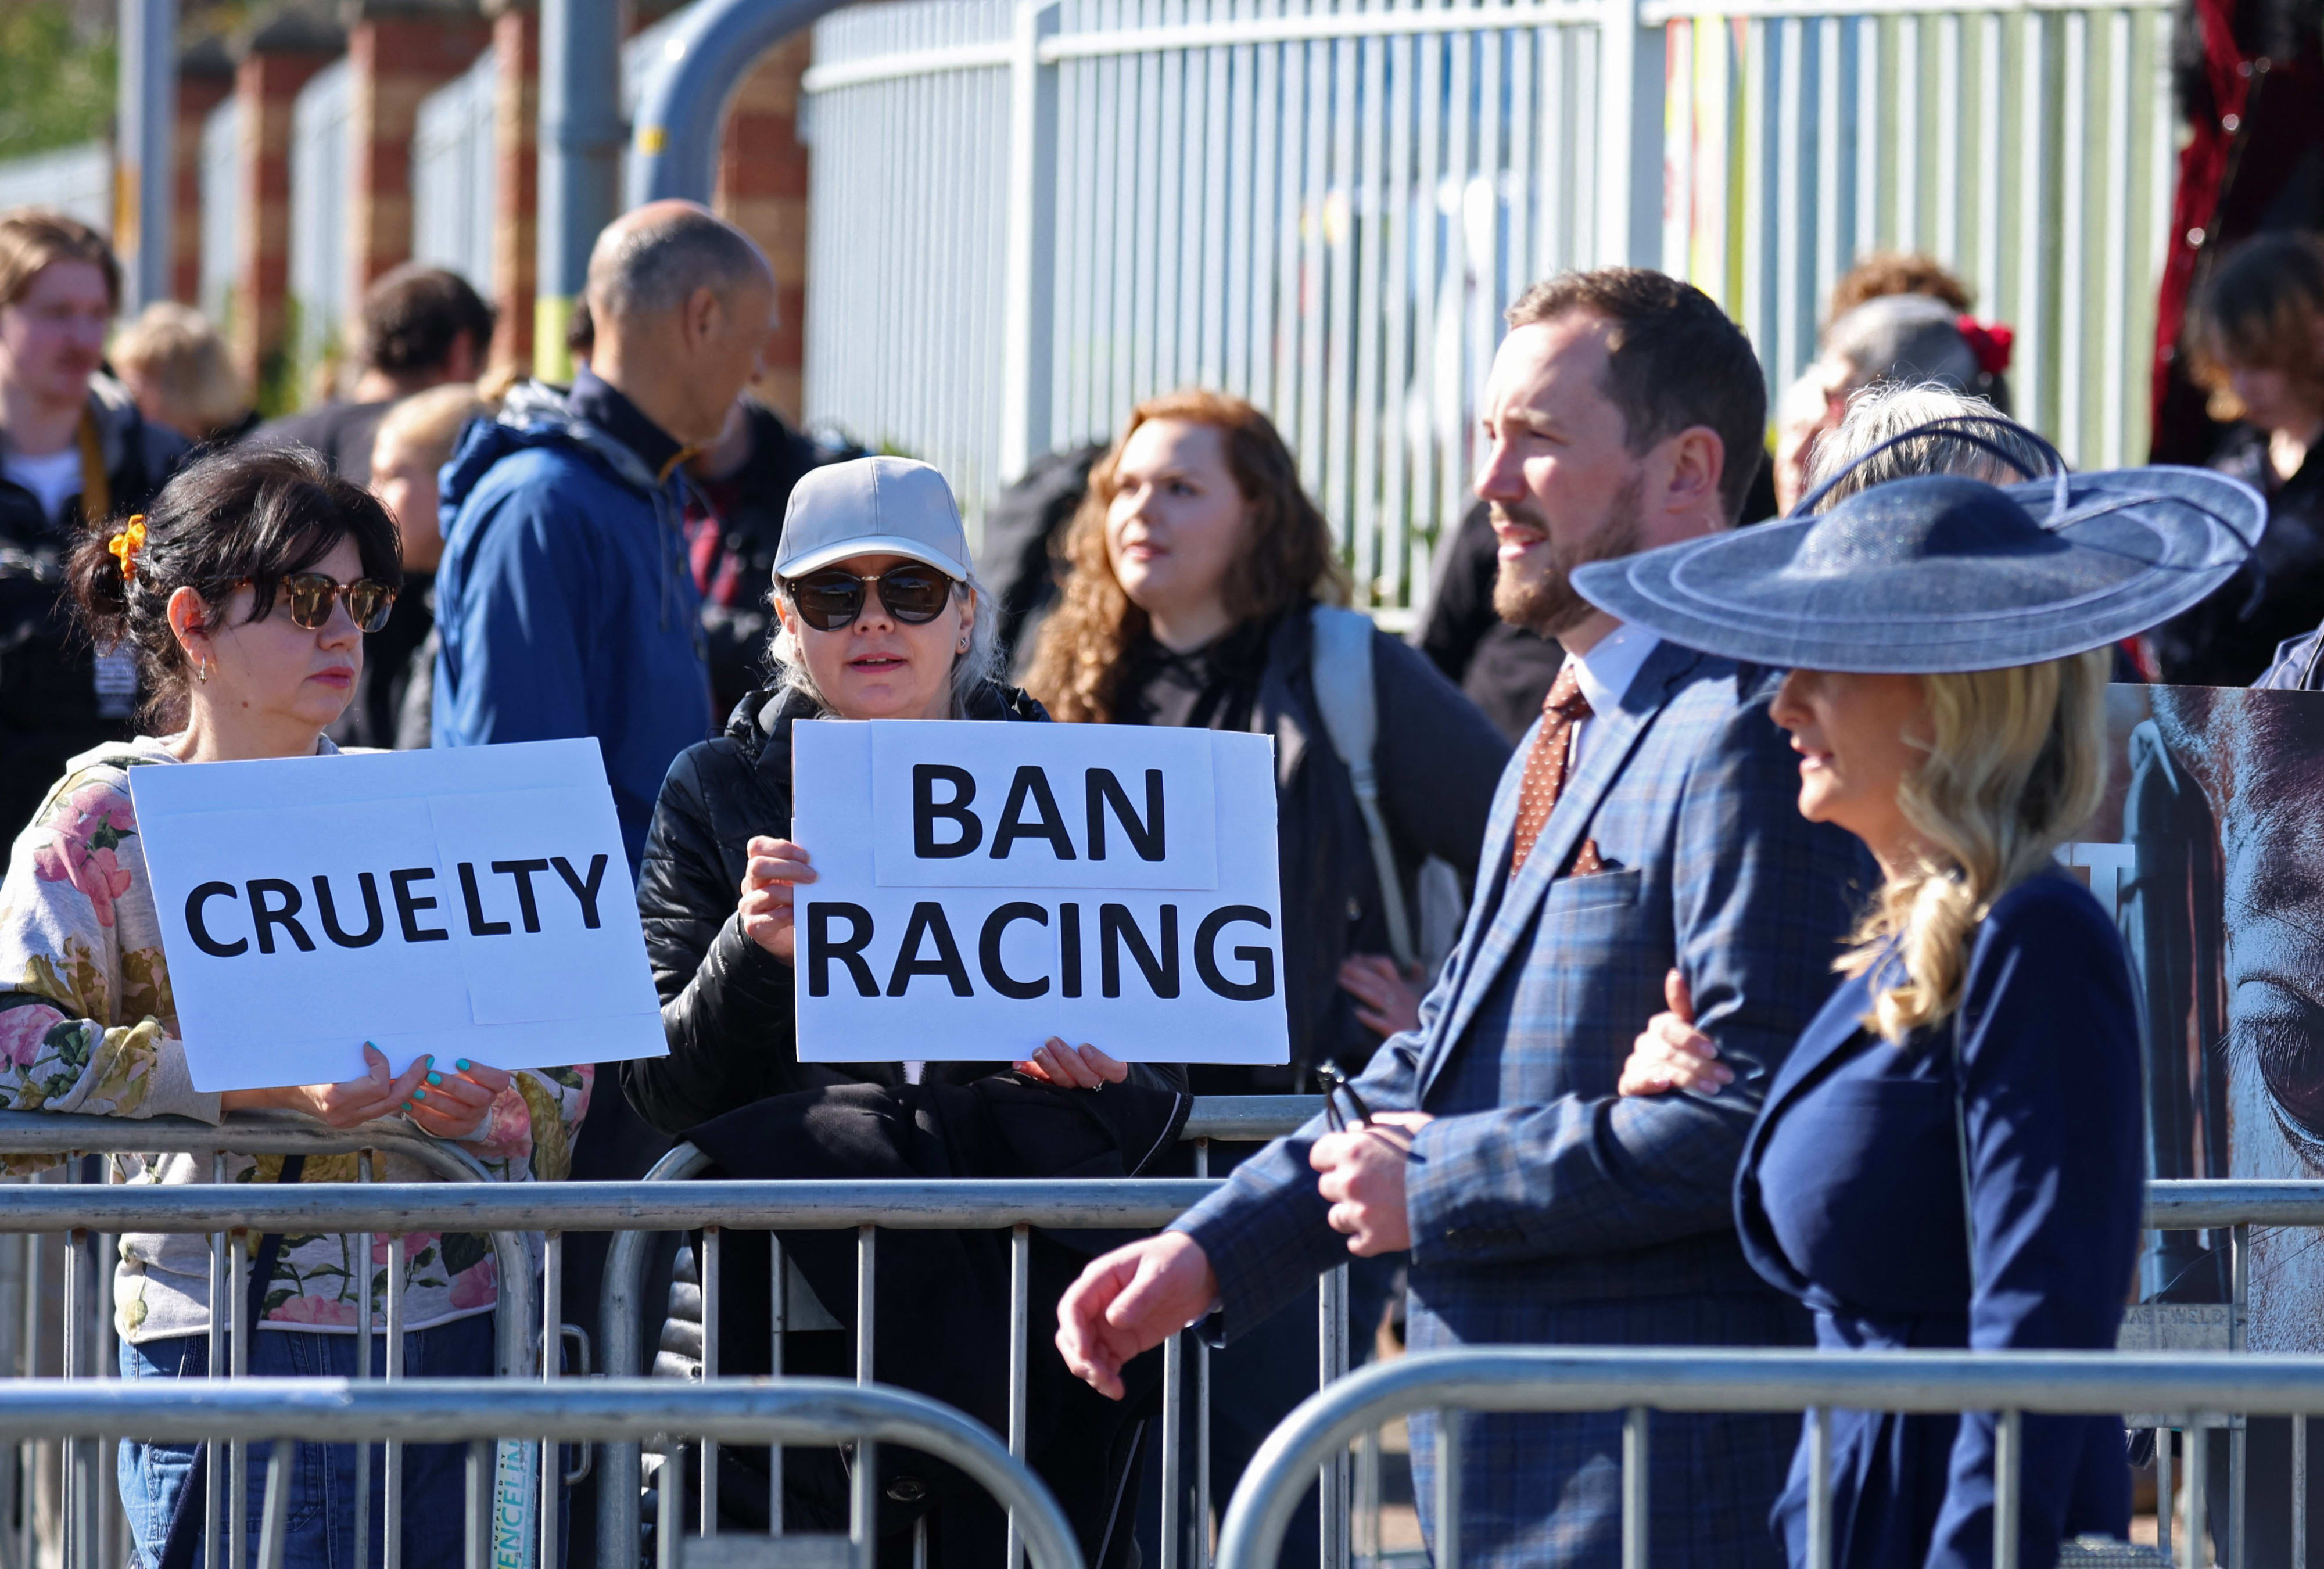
[{"x": 87, "y": 1024}]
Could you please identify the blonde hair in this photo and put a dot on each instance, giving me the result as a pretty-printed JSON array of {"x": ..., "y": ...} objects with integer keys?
[
  {"x": 1887, "y": 410},
  {"x": 176, "y": 348},
  {"x": 2015, "y": 764},
  {"x": 429, "y": 424}
]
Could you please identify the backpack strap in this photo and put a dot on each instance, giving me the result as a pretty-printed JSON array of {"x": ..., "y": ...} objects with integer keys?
[{"x": 1349, "y": 702}]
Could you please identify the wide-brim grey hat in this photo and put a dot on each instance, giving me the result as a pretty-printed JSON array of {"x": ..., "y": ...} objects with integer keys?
[
  {"x": 1941, "y": 572},
  {"x": 872, "y": 506}
]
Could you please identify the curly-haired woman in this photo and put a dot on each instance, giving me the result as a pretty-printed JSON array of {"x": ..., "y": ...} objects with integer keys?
[{"x": 243, "y": 596}]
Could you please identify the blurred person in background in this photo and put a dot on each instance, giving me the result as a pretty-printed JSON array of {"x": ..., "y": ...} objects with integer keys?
[
  {"x": 176, "y": 365},
  {"x": 1880, "y": 273},
  {"x": 733, "y": 527},
  {"x": 416, "y": 438},
  {"x": 2257, "y": 343},
  {"x": 1908, "y": 339},
  {"x": 1200, "y": 588},
  {"x": 75, "y": 451},
  {"x": 418, "y": 328},
  {"x": 242, "y": 595},
  {"x": 1805, "y": 409},
  {"x": 1197, "y": 569},
  {"x": 564, "y": 602}
]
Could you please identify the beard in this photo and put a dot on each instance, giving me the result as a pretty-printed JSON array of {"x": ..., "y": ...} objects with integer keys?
[{"x": 1543, "y": 600}]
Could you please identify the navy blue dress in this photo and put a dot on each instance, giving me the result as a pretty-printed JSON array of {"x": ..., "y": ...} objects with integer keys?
[{"x": 1850, "y": 1197}]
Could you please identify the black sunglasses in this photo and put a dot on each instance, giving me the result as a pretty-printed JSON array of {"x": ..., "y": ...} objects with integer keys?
[
  {"x": 833, "y": 599},
  {"x": 309, "y": 595}
]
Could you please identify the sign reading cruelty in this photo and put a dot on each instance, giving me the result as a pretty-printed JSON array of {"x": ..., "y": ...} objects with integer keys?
[
  {"x": 472, "y": 903},
  {"x": 980, "y": 888}
]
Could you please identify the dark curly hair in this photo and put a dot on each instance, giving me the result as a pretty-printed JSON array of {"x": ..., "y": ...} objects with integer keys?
[
  {"x": 1288, "y": 558},
  {"x": 231, "y": 517}
]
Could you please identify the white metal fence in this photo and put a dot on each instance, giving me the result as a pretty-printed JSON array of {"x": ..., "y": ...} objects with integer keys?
[
  {"x": 455, "y": 174},
  {"x": 319, "y": 168},
  {"x": 221, "y": 197},
  {"x": 1028, "y": 216},
  {"x": 76, "y": 179}
]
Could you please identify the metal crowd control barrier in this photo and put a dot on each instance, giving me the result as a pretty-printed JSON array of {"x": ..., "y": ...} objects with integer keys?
[
  {"x": 1638, "y": 1383},
  {"x": 90, "y": 1519},
  {"x": 957, "y": 1205},
  {"x": 448, "y": 1410}
]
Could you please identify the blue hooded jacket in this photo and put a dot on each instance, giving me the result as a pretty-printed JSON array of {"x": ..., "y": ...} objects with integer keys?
[{"x": 564, "y": 604}]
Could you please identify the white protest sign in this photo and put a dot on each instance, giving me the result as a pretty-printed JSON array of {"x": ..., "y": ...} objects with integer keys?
[
  {"x": 980, "y": 888},
  {"x": 473, "y": 902}
]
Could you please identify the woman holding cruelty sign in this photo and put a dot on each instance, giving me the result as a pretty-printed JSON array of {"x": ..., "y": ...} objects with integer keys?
[
  {"x": 243, "y": 596},
  {"x": 1975, "y": 1076},
  {"x": 880, "y": 618}
]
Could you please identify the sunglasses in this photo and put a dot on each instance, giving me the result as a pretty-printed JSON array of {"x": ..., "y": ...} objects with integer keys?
[
  {"x": 309, "y": 595},
  {"x": 831, "y": 599}
]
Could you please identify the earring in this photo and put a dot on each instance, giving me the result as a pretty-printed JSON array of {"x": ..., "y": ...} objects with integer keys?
[{"x": 202, "y": 674}]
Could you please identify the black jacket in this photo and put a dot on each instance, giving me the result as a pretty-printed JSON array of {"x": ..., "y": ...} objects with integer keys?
[
  {"x": 50, "y": 708},
  {"x": 2231, "y": 638},
  {"x": 1439, "y": 761},
  {"x": 727, "y": 1003},
  {"x": 732, "y": 549}
]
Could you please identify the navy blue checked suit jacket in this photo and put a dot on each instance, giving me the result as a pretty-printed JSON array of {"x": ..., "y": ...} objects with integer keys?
[{"x": 1543, "y": 1207}]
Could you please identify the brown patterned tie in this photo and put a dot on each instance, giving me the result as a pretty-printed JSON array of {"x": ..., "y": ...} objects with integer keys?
[{"x": 1545, "y": 769}]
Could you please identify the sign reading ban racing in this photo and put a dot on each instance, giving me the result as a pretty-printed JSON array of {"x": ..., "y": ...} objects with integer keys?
[{"x": 982, "y": 887}]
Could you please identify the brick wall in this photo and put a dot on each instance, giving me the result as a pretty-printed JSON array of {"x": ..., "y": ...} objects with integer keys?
[
  {"x": 763, "y": 185},
  {"x": 275, "y": 64},
  {"x": 397, "y": 54}
]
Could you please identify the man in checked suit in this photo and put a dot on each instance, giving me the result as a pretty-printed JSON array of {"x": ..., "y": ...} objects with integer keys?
[{"x": 1644, "y": 837}]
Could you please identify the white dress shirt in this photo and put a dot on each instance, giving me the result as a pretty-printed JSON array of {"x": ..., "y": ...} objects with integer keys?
[{"x": 1605, "y": 674}]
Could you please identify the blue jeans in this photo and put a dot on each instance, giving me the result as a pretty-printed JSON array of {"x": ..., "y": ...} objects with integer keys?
[{"x": 322, "y": 1532}]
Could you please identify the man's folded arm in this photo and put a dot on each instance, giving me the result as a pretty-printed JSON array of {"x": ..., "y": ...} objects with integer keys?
[{"x": 1760, "y": 904}]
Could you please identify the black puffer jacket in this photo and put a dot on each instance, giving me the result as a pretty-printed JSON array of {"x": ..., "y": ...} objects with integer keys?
[{"x": 727, "y": 1003}]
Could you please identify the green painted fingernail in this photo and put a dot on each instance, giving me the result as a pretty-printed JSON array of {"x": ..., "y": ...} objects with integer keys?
[
  {"x": 434, "y": 1078},
  {"x": 465, "y": 1065},
  {"x": 418, "y": 1094}
]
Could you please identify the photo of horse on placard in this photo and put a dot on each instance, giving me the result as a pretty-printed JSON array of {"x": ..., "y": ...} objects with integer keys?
[{"x": 2210, "y": 850}]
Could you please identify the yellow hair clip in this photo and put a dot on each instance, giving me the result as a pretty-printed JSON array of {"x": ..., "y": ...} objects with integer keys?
[{"x": 124, "y": 545}]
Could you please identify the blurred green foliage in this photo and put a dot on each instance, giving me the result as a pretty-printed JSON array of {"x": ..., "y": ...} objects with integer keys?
[{"x": 57, "y": 78}]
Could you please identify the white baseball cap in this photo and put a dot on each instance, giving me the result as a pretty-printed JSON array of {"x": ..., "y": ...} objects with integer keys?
[{"x": 872, "y": 506}]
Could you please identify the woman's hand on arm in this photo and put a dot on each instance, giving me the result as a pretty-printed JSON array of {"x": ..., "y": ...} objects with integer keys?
[
  {"x": 1083, "y": 1068},
  {"x": 768, "y": 912},
  {"x": 1671, "y": 1054}
]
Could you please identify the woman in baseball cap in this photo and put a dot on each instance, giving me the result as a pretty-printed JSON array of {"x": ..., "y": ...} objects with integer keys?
[
  {"x": 1952, "y": 1155},
  {"x": 880, "y": 617}
]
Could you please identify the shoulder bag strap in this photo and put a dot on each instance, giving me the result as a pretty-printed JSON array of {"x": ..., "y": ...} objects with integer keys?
[
  {"x": 1349, "y": 702},
  {"x": 181, "y": 1549}
]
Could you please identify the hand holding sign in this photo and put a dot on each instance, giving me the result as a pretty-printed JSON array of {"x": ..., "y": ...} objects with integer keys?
[
  {"x": 378, "y": 1094},
  {"x": 768, "y": 910}
]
